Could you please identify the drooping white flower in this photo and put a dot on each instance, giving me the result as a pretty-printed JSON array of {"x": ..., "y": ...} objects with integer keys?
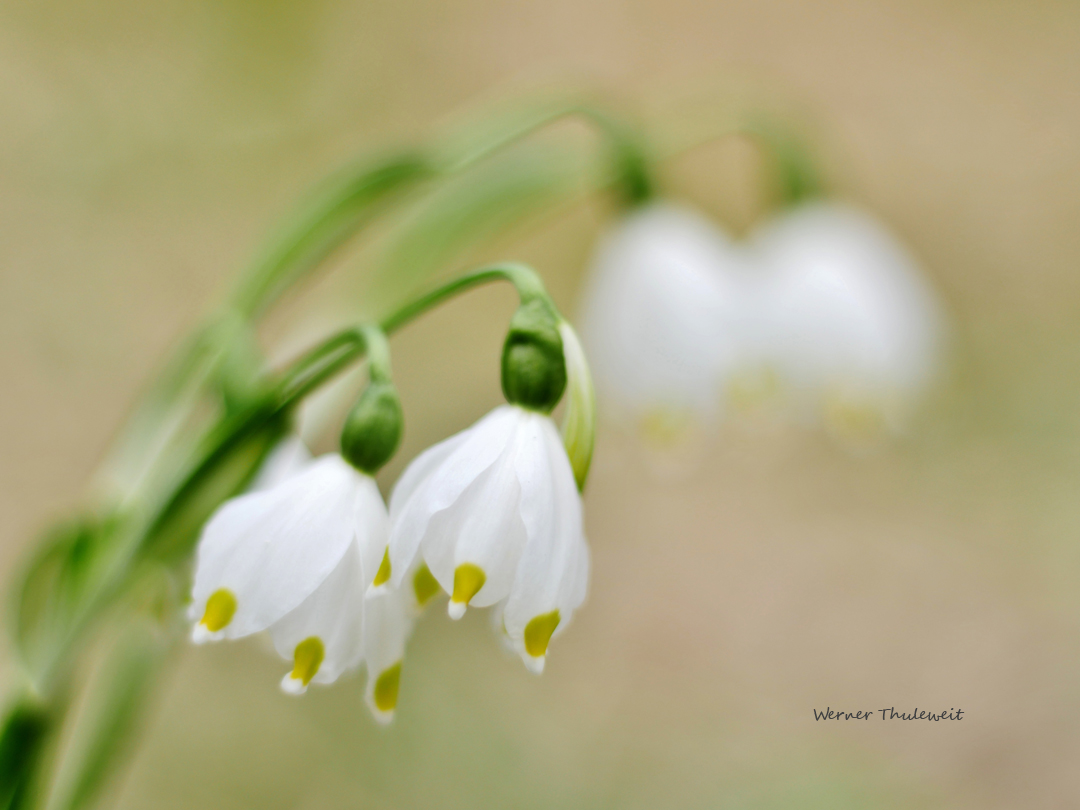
[
  {"x": 495, "y": 514},
  {"x": 853, "y": 326},
  {"x": 666, "y": 314},
  {"x": 297, "y": 560}
]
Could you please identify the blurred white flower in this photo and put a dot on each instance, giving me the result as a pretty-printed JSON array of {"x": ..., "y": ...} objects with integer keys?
[
  {"x": 821, "y": 311},
  {"x": 296, "y": 560},
  {"x": 495, "y": 514},
  {"x": 852, "y": 327},
  {"x": 667, "y": 308}
]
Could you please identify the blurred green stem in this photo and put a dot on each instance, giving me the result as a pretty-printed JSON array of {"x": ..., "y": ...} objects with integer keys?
[
  {"x": 25, "y": 731},
  {"x": 118, "y": 695}
]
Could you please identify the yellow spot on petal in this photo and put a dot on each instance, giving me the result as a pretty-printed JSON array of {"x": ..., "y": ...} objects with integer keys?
[
  {"x": 468, "y": 579},
  {"x": 220, "y": 608},
  {"x": 383, "y": 574},
  {"x": 386, "y": 688},
  {"x": 307, "y": 658},
  {"x": 753, "y": 390},
  {"x": 665, "y": 428},
  {"x": 425, "y": 586},
  {"x": 538, "y": 633},
  {"x": 858, "y": 422}
]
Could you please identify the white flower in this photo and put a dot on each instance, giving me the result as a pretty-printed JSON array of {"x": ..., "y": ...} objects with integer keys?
[
  {"x": 854, "y": 326},
  {"x": 296, "y": 560},
  {"x": 821, "y": 309},
  {"x": 495, "y": 514},
  {"x": 665, "y": 314}
]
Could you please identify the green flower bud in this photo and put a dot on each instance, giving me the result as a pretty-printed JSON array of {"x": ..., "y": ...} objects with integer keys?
[
  {"x": 373, "y": 428},
  {"x": 533, "y": 368}
]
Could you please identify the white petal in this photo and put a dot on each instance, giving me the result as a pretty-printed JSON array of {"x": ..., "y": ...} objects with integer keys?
[
  {"x": 499, "y": 628},
  {"x": 372, "y": 526},
  {"x": 553, "y": 571},
  {"x": 272, "y": 549},
  {"x": 440, "y": 480},
  {"x": 290, "y": 457},
  {"x": 334, "y": 614},
  {"x": 388, "y": 623},
  {"x": 403, "y": 550},
  {"x": 535, "y": 476},
  {"x": 421, "y": 468},
  {"x": 576, "y": 586},
  {"x": 482, "y": 527}
]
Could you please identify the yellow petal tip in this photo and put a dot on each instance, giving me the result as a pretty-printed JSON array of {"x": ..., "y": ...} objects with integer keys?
[
  {"x": 382, "y": 576},
  {"x": 538, "y": 634},
  {"x": 307, "y": 658},
  {"x": 220, "y": 609},
  {"x": 425, "y": 586},
  {"x": 468, "y": 580},
  {"x": 384, "y": 694}
]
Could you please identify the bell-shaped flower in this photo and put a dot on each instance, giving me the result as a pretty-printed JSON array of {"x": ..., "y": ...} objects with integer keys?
[
  {"x": 495, "y": 514},
  {"x": 666, "y": 309},
  {"x": 855, "y": 329},
  {"x": 297, "y": 560}
]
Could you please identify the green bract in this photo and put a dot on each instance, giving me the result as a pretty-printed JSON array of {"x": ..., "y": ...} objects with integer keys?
[
  {"x": 373, "y": 428},
  {"x": 533, "y": 368}
]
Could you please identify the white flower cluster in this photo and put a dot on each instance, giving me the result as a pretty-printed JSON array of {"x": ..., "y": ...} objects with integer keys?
[
  {"x": 820, "y": 310},
  {"x": 492, "y": 516}
]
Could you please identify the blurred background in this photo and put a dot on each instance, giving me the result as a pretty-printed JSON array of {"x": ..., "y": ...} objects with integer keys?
[{"x": 146, "y": 148}]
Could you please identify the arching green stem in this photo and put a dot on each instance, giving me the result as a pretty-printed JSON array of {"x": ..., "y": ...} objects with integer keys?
[
  {"x": 335, "y": 216},
  {"x": 798, "y": 177},
  {"x": 633, "y": 174},
  {"x": 378, "y": 353},
  {"x": 525, "y": 281},
  {"x": 258, "y": 424},
  {"x": 320, "y": 229}
]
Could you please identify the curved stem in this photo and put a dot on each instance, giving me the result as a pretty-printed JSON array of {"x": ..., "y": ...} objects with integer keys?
[
  {"x": 330, "y": 221},
  {"x": 307, "y": 373},
  {"x": 525, "y": 281},
  {"x": 336, "y": 216},
  {"x": 632, "y": 165},
  {"x": 378, "y": 353},
  {"x": 349, "y": 345},
  {"x": 323, "y": 227},
  {"x": 320, "y": 365},
  {"x": 797, "y": 176}
]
